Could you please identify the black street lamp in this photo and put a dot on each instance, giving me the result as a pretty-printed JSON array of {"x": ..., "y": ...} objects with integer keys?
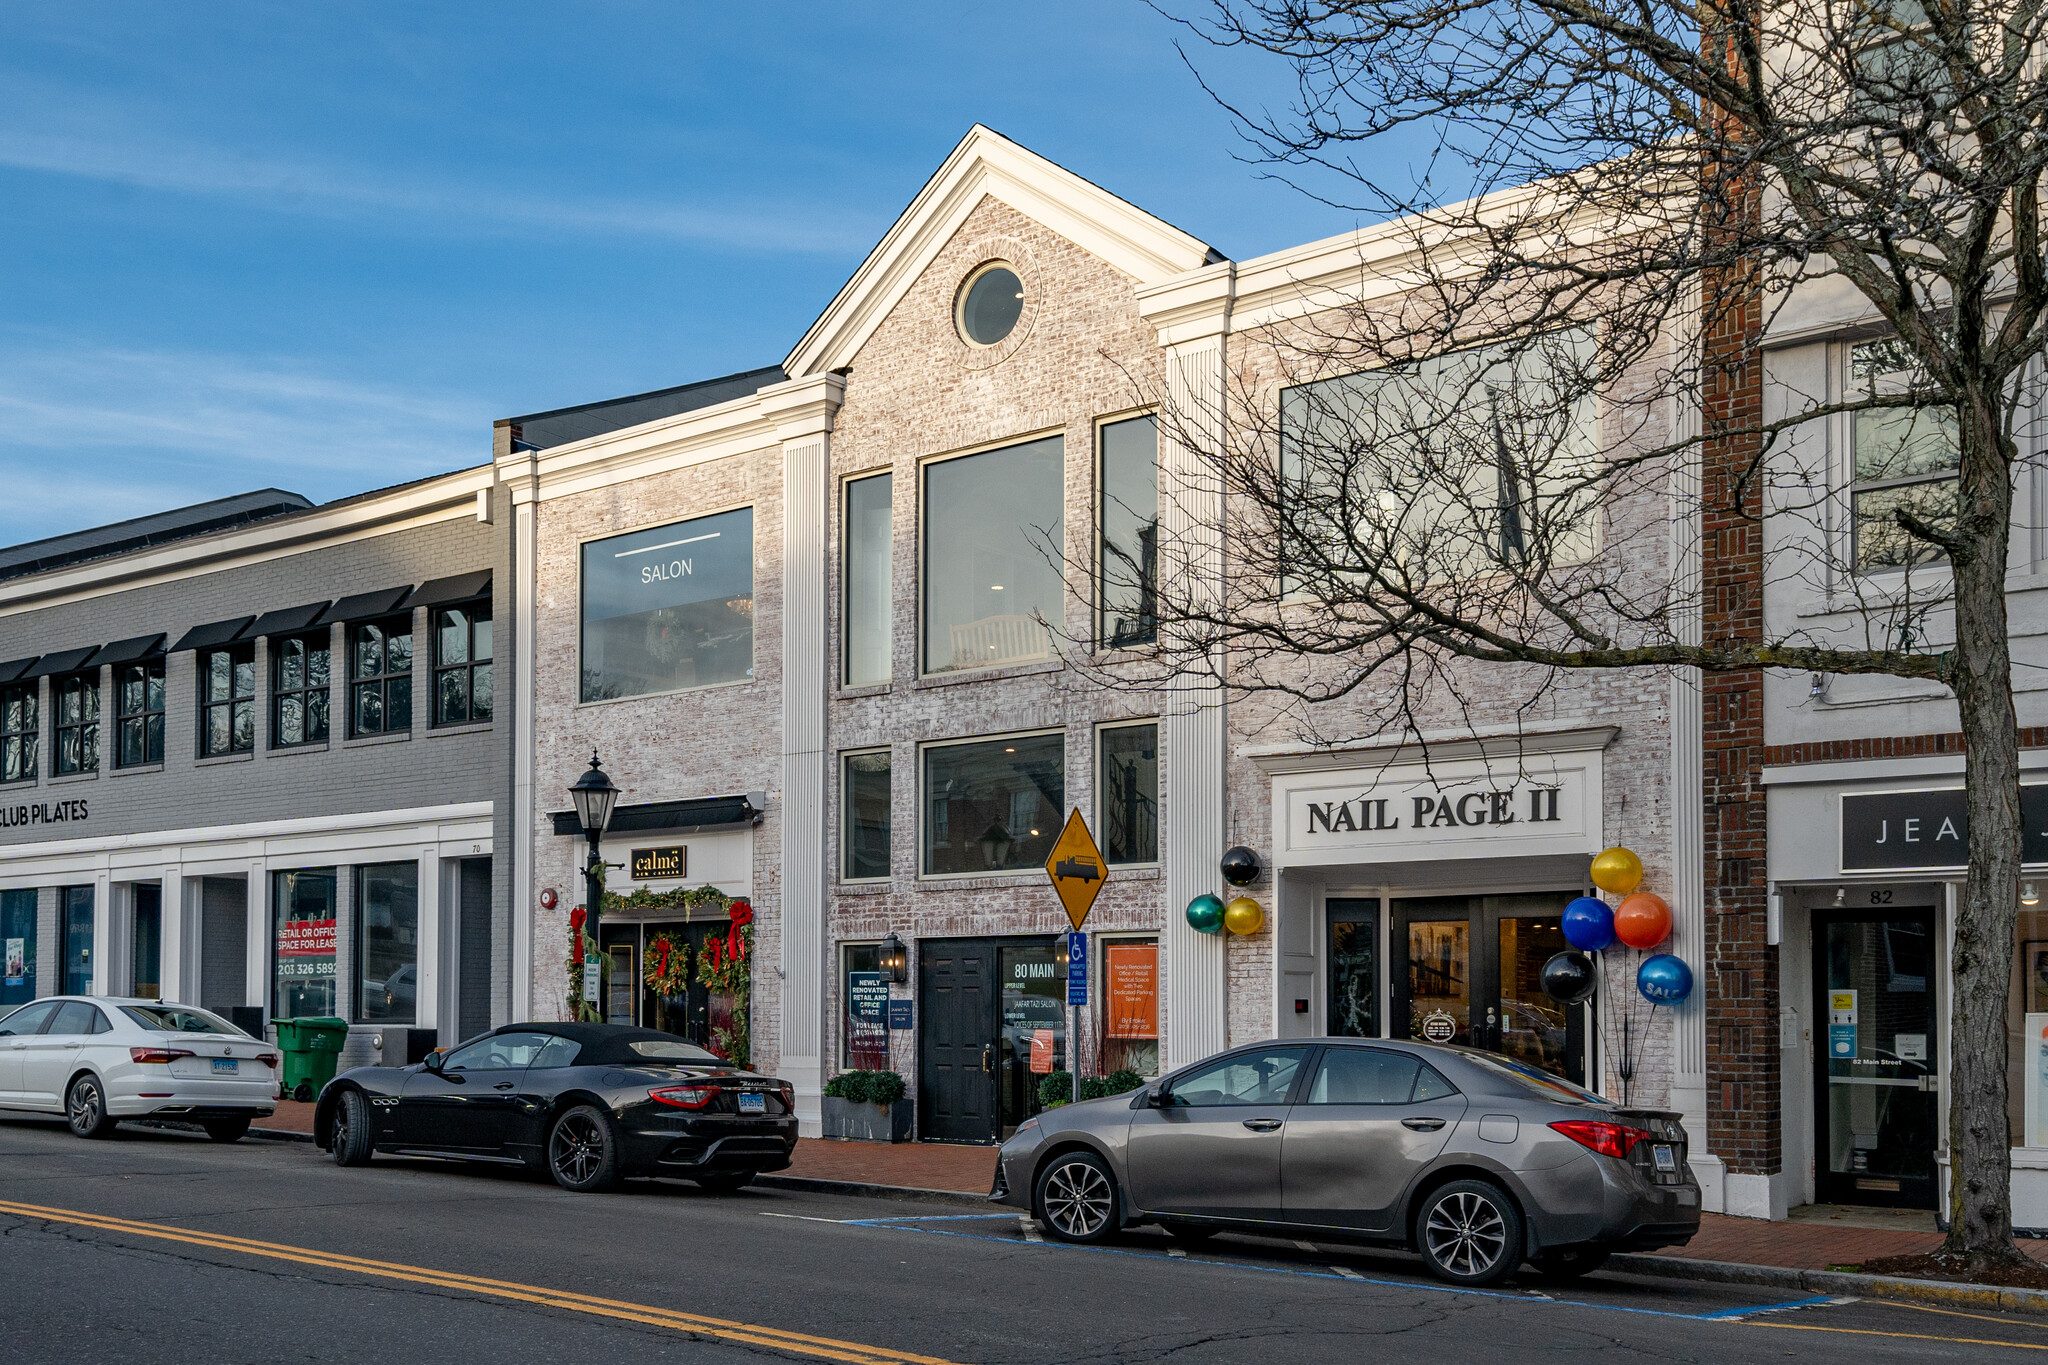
[{"x": 594, "y": 796}]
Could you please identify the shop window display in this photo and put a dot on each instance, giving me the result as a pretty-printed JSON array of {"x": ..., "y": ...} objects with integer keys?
[
  {"x": 1130, "y": 1007},
  {"x": 864, "y": 998},
  {"x": 303, "y": 909},
  {"x": 669, "y": 607},
  {"x": 387, "y": 942}
]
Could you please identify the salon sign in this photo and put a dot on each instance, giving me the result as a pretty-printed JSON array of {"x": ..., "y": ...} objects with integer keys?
[{"x": 1444, "y": 811}]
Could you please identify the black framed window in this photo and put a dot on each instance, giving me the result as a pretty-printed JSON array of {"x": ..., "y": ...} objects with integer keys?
[
  {"x": 1127, "y": 792},
  {"x": 139, "y": 713},
  {"x": 865, "y": 580},
  {"x": 19, "y": 732},
  {"x": 380, "y": 676},
  {"x": 992, "y": 805},
  {"x": 1127, "y": 530},
  {"x": 864, "y": 814},
  {"x": 462, "y": 664},
  {"x": 299, "y": 680},
  {"x": 227, "y": 700},
  {"x": 76, "y": 700},
  {"x": 387, "y": 942}
]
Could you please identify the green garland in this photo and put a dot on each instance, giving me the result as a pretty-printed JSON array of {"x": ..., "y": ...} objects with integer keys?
[{"x": 724, "y": 964}]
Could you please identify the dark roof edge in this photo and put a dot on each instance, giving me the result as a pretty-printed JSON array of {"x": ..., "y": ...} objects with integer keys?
[{"x": 640, "y": 397}]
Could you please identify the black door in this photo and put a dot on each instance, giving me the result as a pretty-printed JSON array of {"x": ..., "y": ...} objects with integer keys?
[
  {"x": 1466, "y": 970},
  {"x": 1354, "y": 944},
  {"x": 956, "y": 997},
  {"x": 472, "y": 1104},
  {"x": 1877, "y": 1089}
]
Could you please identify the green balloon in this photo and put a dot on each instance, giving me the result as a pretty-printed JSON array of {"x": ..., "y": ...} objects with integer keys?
[{"x": 1205, "y": 913}]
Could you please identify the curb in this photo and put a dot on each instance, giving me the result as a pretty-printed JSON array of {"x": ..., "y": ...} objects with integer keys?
[
  {"x": 1944, "y": 1292},
  {"x": 816, "y": 1185},
  {"x": 281, "y": 1134}
]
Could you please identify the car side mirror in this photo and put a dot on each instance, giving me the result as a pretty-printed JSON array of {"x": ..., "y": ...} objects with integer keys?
[
  {"x": 435, "y": 1061},
  {"x": 1155, "y": 1095}
]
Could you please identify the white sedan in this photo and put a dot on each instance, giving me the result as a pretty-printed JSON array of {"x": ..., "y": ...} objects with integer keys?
[{"x": 97, "y": 1060}]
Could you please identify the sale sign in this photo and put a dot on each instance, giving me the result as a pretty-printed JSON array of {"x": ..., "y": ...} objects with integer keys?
[{"x": 1130, "y": 974}]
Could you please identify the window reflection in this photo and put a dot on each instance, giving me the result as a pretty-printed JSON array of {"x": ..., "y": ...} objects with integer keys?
[
  {"x": 994, "y": 806},
  {"x": 991, "y": 552}
]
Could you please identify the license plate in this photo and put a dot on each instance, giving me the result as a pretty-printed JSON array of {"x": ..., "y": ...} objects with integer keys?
[
  {"x": 226, "y": 1066},
  {"x": 753, "y": 1104},
  {"x": 1666, "y": 1159}
]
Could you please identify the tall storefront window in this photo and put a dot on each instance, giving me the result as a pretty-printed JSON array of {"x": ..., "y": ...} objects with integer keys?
[
  {"x": 993, "y": 805},
  {"x": 1127, "y": 793},
  {"x": 864, "y": 807},
  {"x": 380, "y": 676},
  {"x": 1130, "y": 1006},
  {"x": 19, "y": 726},
  {"x": 303, "y": 903},
  {"x": 2027, "y": 1024},
  {"x": 1127, "y": 524},
  {"x": 868, "y": 595},
  {"x": 992, "y": 546},
  {"x": 145, "y": 943},
  {"x": 462, "y": 664},
  {"x": 17, "y": 948},
  {"x": 387, "y": 942},
  {"x": 76, "y": 926},
  {"x": 300, "y": 677},
  {"x": 139, "y": 712},
  {"x": 669, "y": 607},
  {"x": 77, "y": 739},
  {"x": 865, "y": 997},
  {"x": 227, "y": 700}
]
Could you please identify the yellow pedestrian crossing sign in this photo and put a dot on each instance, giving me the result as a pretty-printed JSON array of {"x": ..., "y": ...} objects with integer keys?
[{"x": 1076, "y": 868}]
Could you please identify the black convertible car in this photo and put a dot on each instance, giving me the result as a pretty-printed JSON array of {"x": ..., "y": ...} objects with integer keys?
[{"x": 588, "y": 1103}]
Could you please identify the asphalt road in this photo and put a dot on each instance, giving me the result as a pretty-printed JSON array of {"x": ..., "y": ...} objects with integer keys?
[{"x": 160, "y": 1246}]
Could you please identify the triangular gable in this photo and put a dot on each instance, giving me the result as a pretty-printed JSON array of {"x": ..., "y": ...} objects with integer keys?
[{"x": 987, "y": 163}]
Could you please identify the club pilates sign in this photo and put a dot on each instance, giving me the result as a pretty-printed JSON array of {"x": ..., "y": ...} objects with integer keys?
[{"x": 1442, "y": 811}]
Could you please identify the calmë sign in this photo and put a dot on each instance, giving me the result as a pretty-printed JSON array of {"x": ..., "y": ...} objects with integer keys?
[{"x": 1417, "y": 813}]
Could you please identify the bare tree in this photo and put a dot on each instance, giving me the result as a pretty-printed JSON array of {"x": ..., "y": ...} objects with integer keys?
[{"x": 1475, "y": 458}]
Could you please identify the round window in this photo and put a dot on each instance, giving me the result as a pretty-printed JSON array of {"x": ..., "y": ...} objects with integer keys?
[{"x": 991, "y": 305}]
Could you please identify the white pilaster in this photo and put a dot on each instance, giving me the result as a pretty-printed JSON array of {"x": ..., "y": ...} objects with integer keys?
[
  {"x": 426, "y": 995},
  {"x": 803, "y": 410},
  {"x": 521, "y": 481},
  {"x": 175, "y": 945},
  {"x": 256, "y": 970},
  {"x": 105, "y": 957}
]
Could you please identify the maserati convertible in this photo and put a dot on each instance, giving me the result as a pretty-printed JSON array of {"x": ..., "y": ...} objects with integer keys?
[{"x": 588, "y": 1103}]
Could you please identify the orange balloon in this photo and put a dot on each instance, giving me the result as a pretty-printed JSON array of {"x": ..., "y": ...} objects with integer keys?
[{"x": 1642, "y": 920}]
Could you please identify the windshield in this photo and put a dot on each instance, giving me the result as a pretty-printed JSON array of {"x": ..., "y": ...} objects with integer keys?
[
  {"x": 180, "y": 1019},
  {"x": 671, "y": 1052},
  {"x": 1542, "y": 1082}
]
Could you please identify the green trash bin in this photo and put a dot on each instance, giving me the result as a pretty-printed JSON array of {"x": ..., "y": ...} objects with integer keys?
[{"x": 311, "y": 1047}]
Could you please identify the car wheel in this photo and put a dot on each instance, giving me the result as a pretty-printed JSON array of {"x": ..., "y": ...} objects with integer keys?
[
  {"x": 226, "y": 1130},
  {"x": 1560, "y": 1266},
  {"x": 724, "y": 1182},
  {"x": 1077, "y": 1198},
  {"x": 583, "y": 1150},
  {"x": 351, "y": 1140},
  {"x": 1190, "y": 1234},
  {"x": 304, "y": 1093},
  {"x": 85, "y": 1106},
  {"x": 1470, "y": 1233}
]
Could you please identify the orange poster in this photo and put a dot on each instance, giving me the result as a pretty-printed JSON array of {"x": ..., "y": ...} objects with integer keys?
[
  {"x": 1132, "y": 995},
  {"x": 1041, "y": 1052}
]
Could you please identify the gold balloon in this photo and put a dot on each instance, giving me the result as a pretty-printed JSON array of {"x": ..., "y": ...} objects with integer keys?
[
  {"x": 1617, "y": 871},
  {"x": 1243, "y": 916}
]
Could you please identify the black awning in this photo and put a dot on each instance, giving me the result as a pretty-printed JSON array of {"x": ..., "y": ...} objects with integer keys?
[
  {"x": 207, "y": 636},
  {"x": 9, "y": 672},
  {"x": 461, "y": 588},
  {"x": 131, "y": 651},
  {"x": 706, "y": 814},
  {"x": 67, "y": 661},
  {"x": 364, "y": 606},
  {"x": 286, "y": 620}
]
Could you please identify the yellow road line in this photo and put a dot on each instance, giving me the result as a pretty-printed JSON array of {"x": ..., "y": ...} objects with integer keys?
[
  {"x": 827, "y": 1348},
  {"x": 1901, "y": 1336},
  {"x": 1957, "y": 1313}
]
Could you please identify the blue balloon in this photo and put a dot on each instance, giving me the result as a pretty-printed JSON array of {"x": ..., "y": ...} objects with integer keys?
[
  {"x": 1664, "y": 979},
  {"x": 1588, "y": 924}
]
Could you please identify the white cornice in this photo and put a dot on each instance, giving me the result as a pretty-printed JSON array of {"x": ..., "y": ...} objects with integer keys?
[
  {"x": 1436, "y": 746},
  {"x": 451, "y": 497},
  {"x": 987, "y": 163}
]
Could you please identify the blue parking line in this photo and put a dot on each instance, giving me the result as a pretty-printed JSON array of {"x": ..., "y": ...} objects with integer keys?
[
  {"x": 925, "y": 1218},
  {"x": 908, "y": 1225}
]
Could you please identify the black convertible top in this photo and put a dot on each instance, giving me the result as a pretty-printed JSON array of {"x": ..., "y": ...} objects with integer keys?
[{"x": 612, "y": 1044}]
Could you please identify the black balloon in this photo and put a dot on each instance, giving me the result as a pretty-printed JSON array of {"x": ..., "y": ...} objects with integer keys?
[
  {"x": 1568, "y": 978},
  {"x": 1240, "y": 866}
]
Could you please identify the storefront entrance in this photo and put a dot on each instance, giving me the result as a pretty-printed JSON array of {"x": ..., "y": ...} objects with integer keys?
[
  {"x": 1878, "y": 1088},
  {"x": 632, "y": 953},
  {"x": 1467, "y": 970},
  {"x": 984, "y": 1003}
]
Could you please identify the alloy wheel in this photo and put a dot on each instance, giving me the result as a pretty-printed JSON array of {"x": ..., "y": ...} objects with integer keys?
[
  {"x": 338, "y": 1135},
  {"x": 85, "y": 1107},
  {"x": 1077, "y": 1199},
  {"x": 577, "y": 1149},
  {"x": 1466, "y": 1234}
]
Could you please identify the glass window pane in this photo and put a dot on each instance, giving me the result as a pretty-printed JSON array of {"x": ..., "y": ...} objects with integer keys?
[
  {"x": 993, "y": 806},
  {"x": 217, "y": 731},
  {"x": 218, "y": 668},
  {"x": 864, "y": 1000},
  {"x": 1128, "y": 790},
  {"x": 480, "y": 634},
  {"x": 68, "y": 702},
  {"x": 1439, "y": 977},
  {"x": 866, "y": 813},
  {"x": 89, "y": 698},
  {"x": 387, "y": 942},
  {"x": 317, "y": 674},
  {"x": 480, "y": 693},
  {"x": 131, "y": 691},
  {"x": 398, "y": 651},
  {"x": 131, "y": 742},
  {"x": 245, "y": 674},
  {"x": 398, "y": 704},
  {"x": 868, "y": 594},
  {"x": 245, "y": 725},
  {"x": 451, "y": 696},
  {"x": 1363, "y": 1075},
  {"x": 369, "y": 651},
  {"x": 992, "y": 541},
  {"x": 303, "y": 912},
  {"x": 153, "y": 738},
  {"x": 1130, "y": 532},
  {"x": 1881, "y": 543},
  {"x": 451, "y": 636},
  {"x": 316, "y": 717},
  {"x": 291, "y": 719},
  {"x": 669, "y": 607},
  {"x": 153, "y": 691},
  {"x": 291, "y": 663},
  {"x": 1261, "y": 1077},
  {"x": 89, "y": 749},
  {"x": 369, "y": 708}
]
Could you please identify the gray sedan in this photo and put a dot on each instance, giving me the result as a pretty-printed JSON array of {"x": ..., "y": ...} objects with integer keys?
[{"x": 1475, "y": 1161}]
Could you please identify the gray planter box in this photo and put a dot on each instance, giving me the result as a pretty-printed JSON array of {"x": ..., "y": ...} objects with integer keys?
[{"x": 867, "y": 1122}]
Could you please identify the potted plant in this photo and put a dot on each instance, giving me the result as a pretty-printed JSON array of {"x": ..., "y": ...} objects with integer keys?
[{"x": 868, "y": 1106}]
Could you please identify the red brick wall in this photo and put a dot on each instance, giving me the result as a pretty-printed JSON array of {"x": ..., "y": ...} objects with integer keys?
[{"x": 1887, "y": 746}]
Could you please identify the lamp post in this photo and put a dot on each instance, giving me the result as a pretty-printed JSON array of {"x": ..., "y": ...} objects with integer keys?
[{"x": 594, "y": 796}]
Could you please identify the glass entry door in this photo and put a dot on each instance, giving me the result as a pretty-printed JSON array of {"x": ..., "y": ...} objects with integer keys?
[
  {"x": 1877, "y": 1111},
  {"x": 1354, "y": 947},
  {"x": 1467, "y": 971}
]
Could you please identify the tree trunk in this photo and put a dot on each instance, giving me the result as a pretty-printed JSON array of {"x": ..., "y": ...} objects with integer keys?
[{"x": 1980, "y": 671}]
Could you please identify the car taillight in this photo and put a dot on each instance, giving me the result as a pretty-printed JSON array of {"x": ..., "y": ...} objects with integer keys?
[
  {"x": 685, "y": 1096},
  {"x": 156, "y": 1054},
  {"x": 267, "y": 1058},
  {"x": 1608, "y": 1139},
  {"x": 788, "y": 1096}
]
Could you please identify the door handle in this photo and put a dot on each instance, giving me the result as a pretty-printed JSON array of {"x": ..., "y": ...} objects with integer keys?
[
  {"x": 1423, "y": 1125},
  {"x": 1262, "y": 1125},
  {"x": 988, "y": 1061},
  {"x": 503, "y": 1085}
]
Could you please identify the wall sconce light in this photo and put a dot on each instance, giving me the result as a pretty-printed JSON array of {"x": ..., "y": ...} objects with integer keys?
[
  {"x": 1841, "y": 896},
  {"x": 2030, "y": 894},
  {"x": 895, "y": 959}
]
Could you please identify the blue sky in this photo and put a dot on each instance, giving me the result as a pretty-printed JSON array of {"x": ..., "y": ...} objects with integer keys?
[{"x": 323, "y": 246}]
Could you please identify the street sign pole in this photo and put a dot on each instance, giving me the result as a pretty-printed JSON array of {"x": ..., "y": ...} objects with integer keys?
[{"x": 1078, "y": 871}]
